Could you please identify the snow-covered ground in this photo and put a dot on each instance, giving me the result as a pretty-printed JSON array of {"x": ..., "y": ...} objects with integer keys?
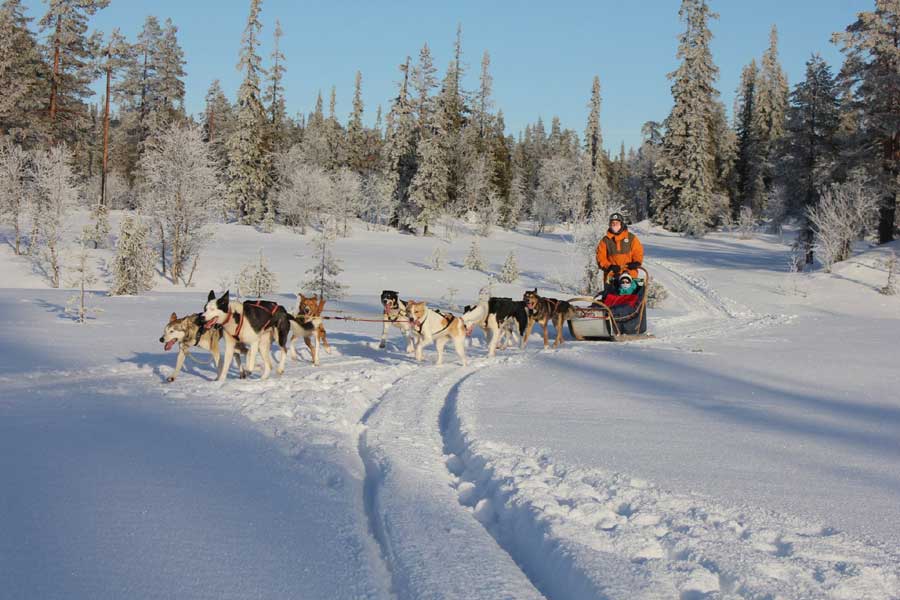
[{"x": 750, "y": 450}]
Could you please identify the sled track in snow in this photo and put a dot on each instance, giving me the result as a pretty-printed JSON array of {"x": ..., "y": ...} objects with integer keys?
[
  {"x": 711, "y": 314},
  {"x": 581, "y": 533}
]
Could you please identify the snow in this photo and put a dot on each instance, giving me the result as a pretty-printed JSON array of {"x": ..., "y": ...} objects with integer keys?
[{"x": 750, "y": 450}]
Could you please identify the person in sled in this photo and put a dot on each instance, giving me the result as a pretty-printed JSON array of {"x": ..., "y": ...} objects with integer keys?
[
  {"x": 619, "y": 251},
  {"x": 623, "y": 299}
]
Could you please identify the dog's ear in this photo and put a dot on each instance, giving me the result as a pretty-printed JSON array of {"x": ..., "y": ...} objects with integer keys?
[
  {"x": 212, "y": 295},
  {"x": 224, "y": 299},
  {"x": 173, "y": 317}
]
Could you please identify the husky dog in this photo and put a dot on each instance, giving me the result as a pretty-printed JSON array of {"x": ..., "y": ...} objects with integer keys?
[
  {"x": 395, "y": 314},
  {"x": 308, "y": 324},
  {"x": 189, "y": 333},
  {"x": 430, "y": 325},
  {"x": 500, "y": 318},
  {"x": 256, "y": 323},
  {"x": 544, "y": 310}
]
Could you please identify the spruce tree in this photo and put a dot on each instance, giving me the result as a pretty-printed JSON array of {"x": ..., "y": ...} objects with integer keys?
[
  {"x": 597, "y": 188},
  {"x": 357, "y": 151},
  {"x": 399, "y": 152},
  {"x": 510, "y": 272},
  {"x": 686, "y": 168},
  {"x": 473, "y": 258},
  {"x": 325, "y": 269},
  {"x": 169, "y": 105},
  {"x": 218, "y": 122},
  {"x": 485, "y": 89},
  {"x": 423, "y": 82},
  {"x": 769, "y": 118},
  {"x": 744, "y": 112},
  {"x": 134, "y": 268},
  {"x": 428, "y": 190},
  {"x": 274, "y": 96},
  {"x": 256, "y": 279},
  {"x": 248, "y": 146},
  {"x": 871, "y": 72}
]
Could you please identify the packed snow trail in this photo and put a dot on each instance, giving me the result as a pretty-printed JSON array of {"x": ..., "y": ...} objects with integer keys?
[{"x": 434, "y": 546}]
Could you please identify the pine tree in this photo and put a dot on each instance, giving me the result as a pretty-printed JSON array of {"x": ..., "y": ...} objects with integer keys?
[
  {"x": 22, "y": 73},
  {"x": 323, "y": 274},
  {"x": 169, "y": 106},
  {"x": 256, "y": 279},
  {"x": 871, "y": 72},
  {"x": 485, "y": 89},
  {"x": 473, "y": 258},
  {"x": 248, "y": 146},
  {"x": 218, "y": 123},
  {"x": 335, "y": 140},
  {"x": 115, "y": 58},
  {"x": 597, "y": 189},
  {"x": 134, "y": 269},
  {"x": 81, "y": 277},
  {"x": 423, "y": 82},
  {"x": 428, "y": 190},
  {"x": 510, "y": 272},
  {"x": 686, "y": 168},
  {"x": 71, "y": 55}
]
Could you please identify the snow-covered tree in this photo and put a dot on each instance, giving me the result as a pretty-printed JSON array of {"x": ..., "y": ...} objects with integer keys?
[
  {"x": 248, "y": 146},
  {"x": 561, "y": 188},
  {"x": 256, "y": 279},
  {"x": 510, "y": 272},
  {"x": 745, "y": 183},
  {"x": 845, "y": 212},
  {"x": 55, "y": 194},
  {"x": 686, "y": 167},
  {"x": 438, "y": 259},
  {"x": 274, "y": 96},
  {"x": 325, "y": 269},
  {"x": 399, "y": 152},
  {"x": 81, "y": 277},
  {"x": 97, "y": 232},
  {"x": 596, "y": 188},
  {"x": 473, "y": 258},
  {"x": 21, "y": 74},
  {"x": 181, "y": 193},
  {"x": 357, "y": 150},
  {"x": 485, "y": 89},
  {"x": 134, "y": 267},
  {"x": 14, "y": 175},
  {"x": 871, "y": 74},
  {"x": 304, "y": 191},
  {"x": 346, "y": 199},
  {"x": 428, "y": 190}
]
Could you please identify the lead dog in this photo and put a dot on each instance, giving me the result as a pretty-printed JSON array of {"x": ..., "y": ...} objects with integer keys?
[
  {"x": 429, "y": 325},
  {"x": 544, "y": 310},
  {"x": 395, "y": 314},
  {"x": 256, "y": 323},
  {"x": 501, "y": 318},
  {"x": 308, "y": 324},
  {"x": 189, "y": 333}
]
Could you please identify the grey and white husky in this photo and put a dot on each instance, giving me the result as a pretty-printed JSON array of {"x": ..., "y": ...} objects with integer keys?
[{"x": 188, "y": 332}]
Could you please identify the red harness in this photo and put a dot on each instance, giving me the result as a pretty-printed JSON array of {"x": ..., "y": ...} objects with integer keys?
[{"x": 258, "y": 304}]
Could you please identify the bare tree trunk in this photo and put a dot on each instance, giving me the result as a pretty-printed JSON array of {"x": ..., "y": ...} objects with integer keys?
[
  {"x": 105, "y": 132},
  {"x": 162, "y": 248},
  {"x": 54, "y": 81}
]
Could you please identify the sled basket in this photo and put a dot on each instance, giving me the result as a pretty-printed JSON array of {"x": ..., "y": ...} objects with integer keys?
[{"x": 595, "y": 321}]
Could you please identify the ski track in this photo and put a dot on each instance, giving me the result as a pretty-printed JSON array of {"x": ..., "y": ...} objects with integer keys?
[{"x": 586, "y": 533}]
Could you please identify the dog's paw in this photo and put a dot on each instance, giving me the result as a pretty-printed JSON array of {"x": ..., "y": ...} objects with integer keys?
[
  {"x": 382, "y": 345},
  {"x": 170, "y": 379},
  {"x": 244, "y": 374}
]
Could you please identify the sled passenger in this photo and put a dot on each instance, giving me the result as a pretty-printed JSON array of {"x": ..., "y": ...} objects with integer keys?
[
  {"x": 619, "y": 251},
  {"x": 622, "y": 299}
]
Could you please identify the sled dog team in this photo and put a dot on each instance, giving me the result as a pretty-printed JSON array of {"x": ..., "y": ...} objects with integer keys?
[{"x": 252, "y": 326}]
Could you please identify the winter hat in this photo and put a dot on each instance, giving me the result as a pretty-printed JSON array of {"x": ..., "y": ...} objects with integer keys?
[
  {"x": 627, "y": 284},
  {"x": 617, "y": 217},
  {"x": 625, "y": 277}
]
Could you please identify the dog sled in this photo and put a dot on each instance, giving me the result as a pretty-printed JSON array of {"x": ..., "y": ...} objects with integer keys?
[{"x": 595, "y": 321}]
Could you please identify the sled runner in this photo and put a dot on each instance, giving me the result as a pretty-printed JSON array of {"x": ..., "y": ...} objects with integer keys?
[{"x": 597, "y": 321}]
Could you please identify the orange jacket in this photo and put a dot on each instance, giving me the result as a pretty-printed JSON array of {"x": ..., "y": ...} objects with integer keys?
[{"x": 619, "y": 249}]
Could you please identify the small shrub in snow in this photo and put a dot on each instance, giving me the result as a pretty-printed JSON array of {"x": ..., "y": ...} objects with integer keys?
[
  {"x": 438, "y": 259},
  {"x": 656, "y": 294},
  {"x": 473, "y": 259},
  {"x": 323, "y": 274},
  {"x": 845, "y": 212},
  {"x": 134, "y": 265},
  {"x": 256, "y": 280},
  {"x": 82, "y": 277},
  {"x": 510, "y": 272},
  {"x": 450, "y": 298},
  {"x": 746, "y": 223},
  {"x": 97, "y": 233},
  {"x": 890, "y": 288}
]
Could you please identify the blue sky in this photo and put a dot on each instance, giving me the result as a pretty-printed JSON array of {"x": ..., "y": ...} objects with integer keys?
[{"x": 543, "y": 54}]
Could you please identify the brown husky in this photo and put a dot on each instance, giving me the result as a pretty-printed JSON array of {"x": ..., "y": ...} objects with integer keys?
[
  {"x": 544, "y": 310},
  {"x": 189, "y": 333}
]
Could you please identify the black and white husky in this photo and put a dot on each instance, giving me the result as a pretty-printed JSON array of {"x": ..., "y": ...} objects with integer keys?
[
  {"x": 501, "y": 318},
  {"x": 395, "y": 314},
  {"x": 188, "y": 332},
  {"x": 256, "y": 323}
]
